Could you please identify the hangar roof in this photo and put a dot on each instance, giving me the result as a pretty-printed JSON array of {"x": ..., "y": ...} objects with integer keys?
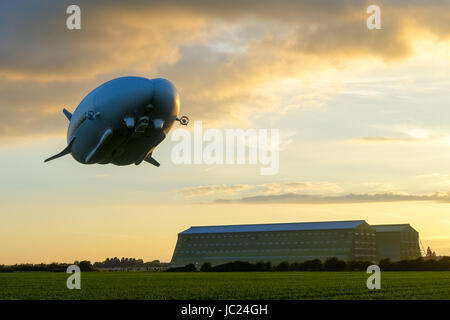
[
  {"x": 390, "y": 227},
  {"x": 326, "y": 225}
]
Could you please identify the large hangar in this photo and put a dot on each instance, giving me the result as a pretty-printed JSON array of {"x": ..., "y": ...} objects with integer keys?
[
  {"x": 347, "y": 240},
  {"x": 397, "y": 242}
]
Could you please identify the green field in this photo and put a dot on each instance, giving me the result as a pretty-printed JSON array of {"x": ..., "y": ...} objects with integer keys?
[{"x": 238, "y": 285}]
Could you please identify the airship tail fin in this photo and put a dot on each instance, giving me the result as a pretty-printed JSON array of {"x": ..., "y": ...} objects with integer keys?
[
  {"x": 97, "y": 150},
  {"x": 67, "y": 114},
  {"x": 62, "y": 153},
  {"x": 150, "y": 159}
]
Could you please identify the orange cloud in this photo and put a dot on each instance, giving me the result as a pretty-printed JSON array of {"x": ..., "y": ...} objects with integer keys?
[{"x": 221, "y": 56}]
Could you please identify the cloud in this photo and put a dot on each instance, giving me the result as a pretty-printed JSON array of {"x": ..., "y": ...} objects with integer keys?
[
  {"x": 37, "y": 45},
  {"x": 226, "y": 57},
  {"x": 295, "y": 187},
  {"x": 382, "y": 139},
  {"x": 439, "y": 136},
  {"x": 213, "y": 189},
  {"x": 294, "y": 198},
  {"x": 266, "y": 188},
  {"x": 100, "y": 176},
  {"x": 139, "y": 35},
  {"x": 431, "y": 175},
  {"x": 34, "y": 108}
]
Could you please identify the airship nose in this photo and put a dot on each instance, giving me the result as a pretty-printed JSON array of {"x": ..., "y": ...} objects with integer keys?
[{"x": 166, "y": 98}]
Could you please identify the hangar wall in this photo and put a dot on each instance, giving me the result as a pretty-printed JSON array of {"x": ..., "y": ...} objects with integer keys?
[
  {"x": 347, "y": 240},
  {"x": 397, "y": 242}
]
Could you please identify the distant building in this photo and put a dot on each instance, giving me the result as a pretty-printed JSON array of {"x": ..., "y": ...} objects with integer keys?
[
  {"x": 347, "y": 240},
  {"x": 397, "y": 242}
]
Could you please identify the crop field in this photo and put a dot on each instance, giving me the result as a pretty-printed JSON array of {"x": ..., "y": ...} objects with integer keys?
[{"x": 233, "y": 285}]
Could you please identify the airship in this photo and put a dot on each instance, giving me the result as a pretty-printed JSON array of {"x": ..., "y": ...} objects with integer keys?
[{"x": 122, "y": 122}]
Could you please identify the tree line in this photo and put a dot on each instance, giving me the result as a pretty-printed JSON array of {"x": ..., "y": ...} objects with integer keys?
[
  {"x": 330, "y": 264},
  {"x": 125, "y": 263},
  {"x": 120, "y": 263},
  {"x": 51, "y": 267},
  {"x": 85, "y": 265}
]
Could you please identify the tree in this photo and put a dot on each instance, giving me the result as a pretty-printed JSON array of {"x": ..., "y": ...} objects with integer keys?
[
  {"x": 260, "y": 266},
  {"x": 206, "y": 267},
  {"x": 190, "y": 268},
  {"x": 334, "y": 264},
  {"x": 430, "y": 254},
  {"x": 283, "y": 266},
  {"x": 357, "y": 265},
  {"x": 85, "y": 265},
  {"x": 311, "y": 265}
]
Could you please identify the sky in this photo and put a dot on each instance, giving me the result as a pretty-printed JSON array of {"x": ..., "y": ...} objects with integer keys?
[{"x": 362, "y": 116}]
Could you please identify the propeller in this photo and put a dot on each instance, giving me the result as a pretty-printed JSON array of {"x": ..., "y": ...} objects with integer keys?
[{"x": 183, "y": 120}]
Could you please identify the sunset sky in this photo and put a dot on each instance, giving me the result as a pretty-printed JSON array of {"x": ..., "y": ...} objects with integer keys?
[{"x": 363, "y": 118}]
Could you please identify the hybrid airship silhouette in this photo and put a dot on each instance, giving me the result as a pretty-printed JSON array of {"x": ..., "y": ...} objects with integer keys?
[{"x": 122, "y": 121}]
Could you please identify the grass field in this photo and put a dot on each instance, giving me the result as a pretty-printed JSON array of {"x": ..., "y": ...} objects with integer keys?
[{"x": 252, "y": 285}]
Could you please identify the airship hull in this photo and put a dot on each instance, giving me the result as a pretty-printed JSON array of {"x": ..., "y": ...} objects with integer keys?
[{"x": 122, "y": 121}]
